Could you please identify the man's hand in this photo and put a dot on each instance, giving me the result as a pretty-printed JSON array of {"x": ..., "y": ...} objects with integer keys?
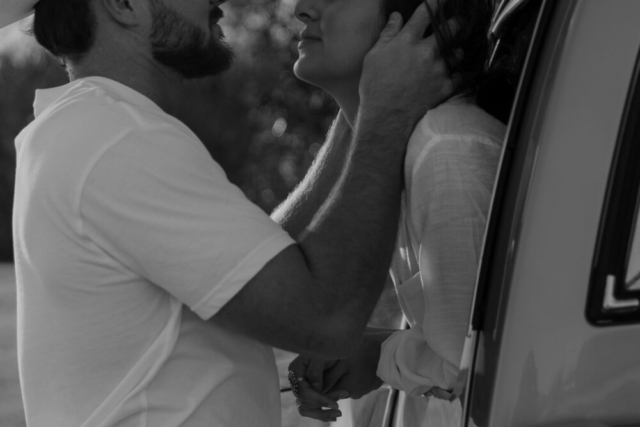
[
  {"x": 403, "y": 73},
  {"x": 311, "y": 401},
  {"x": 322, "y": 383},
  {"x": 357, "y": 374}
]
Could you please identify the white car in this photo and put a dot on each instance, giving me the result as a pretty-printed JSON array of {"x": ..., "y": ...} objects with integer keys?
[
  {"x": 554, "y": 336},
  {"x": 555, "y": 331}
]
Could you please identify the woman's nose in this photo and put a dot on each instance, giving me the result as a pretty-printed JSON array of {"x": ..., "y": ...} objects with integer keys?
[{"x": 306, "y": 10}]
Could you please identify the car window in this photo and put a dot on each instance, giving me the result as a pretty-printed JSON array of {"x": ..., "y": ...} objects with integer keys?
[
  {"x": 632, "y": 280},
  {"x": 614, "y": 292}
]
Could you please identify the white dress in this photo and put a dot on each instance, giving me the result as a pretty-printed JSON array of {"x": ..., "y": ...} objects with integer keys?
[{"x": 450, "y": 169}]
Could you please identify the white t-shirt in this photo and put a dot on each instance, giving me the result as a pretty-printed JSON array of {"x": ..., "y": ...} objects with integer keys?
[
  {"x": 128, "y": 237},
  {"x": 450, "y": 169}
]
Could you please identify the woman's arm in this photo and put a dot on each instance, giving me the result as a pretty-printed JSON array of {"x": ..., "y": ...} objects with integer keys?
[{"x": 449, "y": 196}]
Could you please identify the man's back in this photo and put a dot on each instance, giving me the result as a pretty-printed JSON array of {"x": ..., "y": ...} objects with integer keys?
[{"x": 106, "y": 258}]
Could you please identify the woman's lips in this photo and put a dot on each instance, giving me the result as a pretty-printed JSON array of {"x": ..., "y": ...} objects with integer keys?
[{"x": 307, "y": 41}]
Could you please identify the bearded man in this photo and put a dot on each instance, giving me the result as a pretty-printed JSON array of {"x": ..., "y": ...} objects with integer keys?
[{"x": 150, "y": 290}]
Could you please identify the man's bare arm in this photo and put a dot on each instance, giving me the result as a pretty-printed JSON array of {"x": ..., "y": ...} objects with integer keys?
[
  {"x": 315, "y": 298},
  {"x": 297, "y": 211}
]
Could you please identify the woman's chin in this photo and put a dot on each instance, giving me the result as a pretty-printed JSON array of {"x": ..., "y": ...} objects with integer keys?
[{"x": 306, "y": 73}]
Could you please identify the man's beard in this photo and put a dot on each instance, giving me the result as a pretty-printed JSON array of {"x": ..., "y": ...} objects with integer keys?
[{"x": 185, "y": 48}]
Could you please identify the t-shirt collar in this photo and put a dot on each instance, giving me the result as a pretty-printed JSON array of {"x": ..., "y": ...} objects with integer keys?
[{"x": 46, "y": 97}]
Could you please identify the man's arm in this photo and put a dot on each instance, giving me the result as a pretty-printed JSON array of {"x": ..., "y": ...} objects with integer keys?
[
  {"x": 297, "y": 211},
  {"x": 315, "y": 297}
]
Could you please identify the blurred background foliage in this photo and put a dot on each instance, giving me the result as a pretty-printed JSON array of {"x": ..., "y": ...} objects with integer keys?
[{"x": 262, "y": 124}]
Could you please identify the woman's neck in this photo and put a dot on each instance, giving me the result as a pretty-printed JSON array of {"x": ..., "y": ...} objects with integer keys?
[{"x": 348, "y": 98}]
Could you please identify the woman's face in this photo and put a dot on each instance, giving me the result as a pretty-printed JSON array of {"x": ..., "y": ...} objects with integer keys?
[{"x": 336, "y": 36}]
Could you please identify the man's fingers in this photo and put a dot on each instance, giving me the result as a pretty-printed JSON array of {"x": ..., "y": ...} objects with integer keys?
[
  {"x": 433, "y": 6},
  {"x": 315, "y": 371},
  {"x": 338, "y": 394},
  {"x": 312, "y": 399},
  {"x": 299, "y": 366},
  {"x": 418, "y": 23},
  {"x": 319, "y": 414},
  {"x": 451, "y": 27},
  {"x": 333, "y": 375},
  {"x": 392, "y": 28},
  {"x": 314, "y": 405}
]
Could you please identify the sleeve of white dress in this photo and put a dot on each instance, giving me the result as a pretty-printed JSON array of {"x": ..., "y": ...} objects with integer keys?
[{"x": 449, "y": 195}]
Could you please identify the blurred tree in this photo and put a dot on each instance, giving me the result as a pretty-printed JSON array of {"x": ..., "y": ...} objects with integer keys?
[
  {"x": 274, "y": 122},
  {"x": 258, "y": 121}
]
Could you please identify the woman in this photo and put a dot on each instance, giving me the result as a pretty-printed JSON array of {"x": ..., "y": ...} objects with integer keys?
[{"x": 450, "y": 167}]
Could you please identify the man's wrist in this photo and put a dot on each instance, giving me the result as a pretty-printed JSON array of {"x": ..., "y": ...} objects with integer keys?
[{"x": 387, "y": 123}]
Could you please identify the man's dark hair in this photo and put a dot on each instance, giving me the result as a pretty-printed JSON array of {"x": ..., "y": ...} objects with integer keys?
[
  {"x": 493, "y": 87},
  {"x": 66, "y": 28}
]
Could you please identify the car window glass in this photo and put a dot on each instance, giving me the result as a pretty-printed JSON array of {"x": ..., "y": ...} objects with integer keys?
[{"x": 633, "y": 267}]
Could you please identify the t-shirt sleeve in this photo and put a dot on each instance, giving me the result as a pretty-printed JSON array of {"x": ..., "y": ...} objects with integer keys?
[
  {"x": 158, "y": 204},
  {"x": 449, "y": 198}
]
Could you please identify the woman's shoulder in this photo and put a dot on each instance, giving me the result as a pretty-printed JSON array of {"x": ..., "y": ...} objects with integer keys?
[
  {"x": 457, "y": 128},
  {"x": 457, "y": 120},
  {"x": 461, "y": 117}
]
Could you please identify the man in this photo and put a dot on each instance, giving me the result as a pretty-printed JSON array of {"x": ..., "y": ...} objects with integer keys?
[{"x": 150, "y": 289}]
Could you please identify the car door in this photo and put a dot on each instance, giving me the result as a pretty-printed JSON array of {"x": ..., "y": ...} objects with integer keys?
[{"x": 555, "y": 331}]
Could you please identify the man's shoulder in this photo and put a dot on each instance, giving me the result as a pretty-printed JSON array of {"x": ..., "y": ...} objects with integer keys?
[
  {"x": 92, "y": 117},
  {"x": 102, "y": 108},
  {"x": 88, "y": 125}
]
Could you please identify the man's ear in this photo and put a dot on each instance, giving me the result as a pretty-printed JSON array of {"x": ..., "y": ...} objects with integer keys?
[{"x": 129, "y": 13}]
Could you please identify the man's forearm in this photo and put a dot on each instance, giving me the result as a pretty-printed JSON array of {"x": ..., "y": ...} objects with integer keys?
[
  {"x": 315, "y": 297},
  {"x": 359, "y": 220},
  {"x": 297, "y": 211}
]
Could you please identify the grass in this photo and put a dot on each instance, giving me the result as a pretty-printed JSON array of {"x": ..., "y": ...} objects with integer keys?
[{"x": 11, "y": 410}]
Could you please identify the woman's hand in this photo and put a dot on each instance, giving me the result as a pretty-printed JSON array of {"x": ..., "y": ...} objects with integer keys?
[{"x": 321, "y": 383}]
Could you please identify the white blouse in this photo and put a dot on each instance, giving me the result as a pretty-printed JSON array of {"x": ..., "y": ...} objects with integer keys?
[{"x": 450, "y": 169}]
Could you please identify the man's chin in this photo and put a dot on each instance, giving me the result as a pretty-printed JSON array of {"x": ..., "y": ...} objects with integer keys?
[
  {"x": 199, "y": 63},
  {"x": 204, "y": 72},
  {"x": 196, "y": 71}
]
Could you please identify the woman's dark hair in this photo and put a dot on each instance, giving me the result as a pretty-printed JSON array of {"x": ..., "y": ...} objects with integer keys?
[
  {"x": 64, "y": 27},
  {"x": 493, "y": 87}
]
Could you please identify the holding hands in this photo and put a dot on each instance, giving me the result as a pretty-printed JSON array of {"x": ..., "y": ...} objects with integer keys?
[{"x": 321, "y": 383}]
